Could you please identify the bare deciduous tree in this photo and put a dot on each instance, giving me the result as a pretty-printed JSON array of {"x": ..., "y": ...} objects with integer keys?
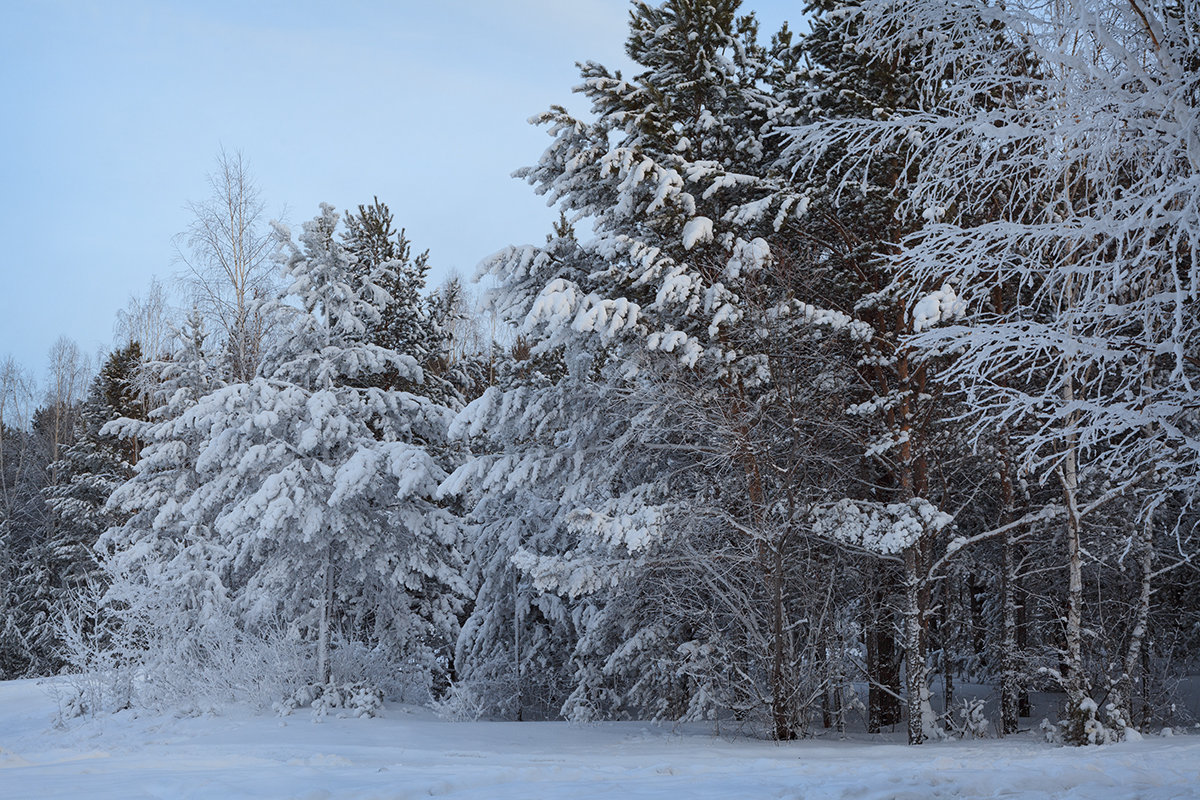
[
  {"x": 227, "y": 254},
  {"x": 147, "y": 321},
  {"x": 16, "y": 408},
  {"x": 67, "y": 381}
]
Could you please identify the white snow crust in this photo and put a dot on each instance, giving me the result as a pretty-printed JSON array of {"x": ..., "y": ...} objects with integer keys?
[{"x": 410, "y": 753}]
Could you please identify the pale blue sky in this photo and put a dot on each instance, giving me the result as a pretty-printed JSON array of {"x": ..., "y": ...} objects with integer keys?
[{"x": 113, "y": 113}]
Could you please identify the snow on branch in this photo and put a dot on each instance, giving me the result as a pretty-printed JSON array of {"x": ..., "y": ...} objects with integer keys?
[{"x": 887, "y": 529}]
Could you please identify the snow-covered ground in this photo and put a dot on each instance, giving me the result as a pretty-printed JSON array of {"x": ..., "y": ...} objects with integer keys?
[{"x": 409, "y": 753}]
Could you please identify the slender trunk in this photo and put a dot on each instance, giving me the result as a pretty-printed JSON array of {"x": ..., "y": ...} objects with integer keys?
[
  {"x": 324, "y": 668},
  {"x": 839, "y": 708},
  {"x": 832, "y": 712},
  {"x": 1010, "y": 683},
  {"x": 517, "y": 646},
  {"x": 1147, "y": 705},
  {"x": 1069, "y": 478},
  {"x": 874, "y": 695},
  {"x": 779, "y": 688},
  {"x": 1024, "y": 704},
  {"x": 951, "y": 637},
  {"x": 1081, "y": 710},
  {"x": 920, "y": 714},
  {"x": 1125, "y": 687},
  {"x": 889, "y": 672},
  {"x": 947, "y": 687},
  {"x": 1124, "y": 690},
  {"x": 883, "y": 669},
  {"x": 826, "y": 645},
  {"x": 913, "y": 480}
]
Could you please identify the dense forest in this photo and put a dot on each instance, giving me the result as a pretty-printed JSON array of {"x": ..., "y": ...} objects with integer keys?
[{"x": 863, "y": 363}]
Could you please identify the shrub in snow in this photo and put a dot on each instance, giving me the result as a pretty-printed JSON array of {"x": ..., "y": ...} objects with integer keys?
[
  {"x": 462, "y": 702},
  {"x": 148, "y": 653},
  {"x": 1050, "y": 732},
  {"x": 1081, "y": 725},
  {"x": 971, "y": 723},
  {"x": 348, "y": 699}
]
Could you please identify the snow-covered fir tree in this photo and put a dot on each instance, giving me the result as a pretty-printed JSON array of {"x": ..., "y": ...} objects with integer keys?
[
  {"x": 90, "y": 469},
  {"x": 678, "y": 295},
  {"x": 308, "y": 499}
]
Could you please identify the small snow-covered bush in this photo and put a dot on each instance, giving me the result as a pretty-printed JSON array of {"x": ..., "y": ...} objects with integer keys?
[
  {"x": 971, "y": 722},
  {"x": 1081, "y": 726},
  {"x": 101, "y": 670},
  {"x": 349, "y": 699},
  {"x": 407, "y": 679},
  {"x": 462, "y": 702},
  {"x": 1119, "y": 727},
  {"x": 161, "y": 655}
]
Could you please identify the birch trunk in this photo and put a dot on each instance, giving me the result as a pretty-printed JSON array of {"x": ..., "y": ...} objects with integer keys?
[
  {"x": 920, "y": 714},
  {"x": 1010, "y": 683},
  {"x": 1010, "y": 686},
  {"x": 1069, "y": 477}
]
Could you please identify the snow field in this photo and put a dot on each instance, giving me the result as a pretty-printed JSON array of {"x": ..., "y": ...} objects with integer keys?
[{"x": 409, "y": 753}]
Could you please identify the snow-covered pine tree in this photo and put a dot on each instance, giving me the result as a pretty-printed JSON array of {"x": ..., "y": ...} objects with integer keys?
[
  {"x": 389, "y": 552},
  {"x": 89, "y": 471},
  {"x": 513, "y": 656},
  {"x": 166, "y": 603},
  {"x": 406, "y": 324},
  {"x": 463, "y": 351},
  {"x": 305, "y": 497},
  {"x": 679, "y": 281},
  {"x": 22, "y": 475},
  {"x": 371, "y": 238}
]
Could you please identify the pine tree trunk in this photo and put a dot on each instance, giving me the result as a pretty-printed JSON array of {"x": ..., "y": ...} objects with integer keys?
[
  {"x": 883, "y": 668},
  {"x": 780, "y": 691}
]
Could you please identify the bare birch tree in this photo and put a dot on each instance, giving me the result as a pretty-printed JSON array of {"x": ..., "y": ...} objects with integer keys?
[
  {"x": 67, "y": 381},
  {"x": 147, "y": 321},
  {"x": 226, "y": 251}
]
